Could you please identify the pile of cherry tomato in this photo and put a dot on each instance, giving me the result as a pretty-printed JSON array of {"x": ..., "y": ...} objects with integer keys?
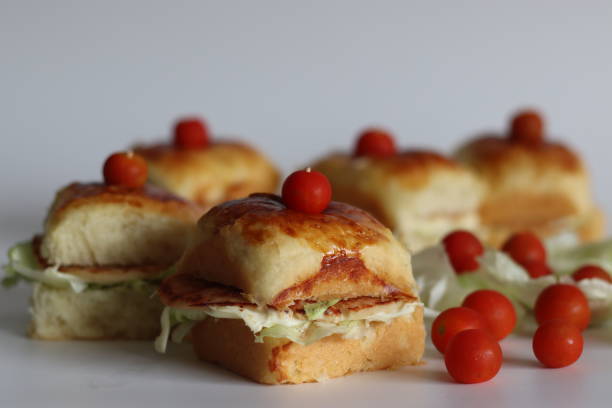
[{"x": 469, "y": 335}]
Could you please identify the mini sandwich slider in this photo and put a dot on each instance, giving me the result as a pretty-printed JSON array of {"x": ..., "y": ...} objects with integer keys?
[
  {"x": 294, "y": 289},
  {"x": 421, "y": 195},
  {"x": 204, "y": 171},
  {"x": 531, "y": 184},
  {"x": 103, "y": 251}
]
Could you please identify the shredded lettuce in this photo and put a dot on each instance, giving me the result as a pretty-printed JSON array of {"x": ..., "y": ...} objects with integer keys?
[
  {"x": 311, "y": 333},
  {"x": 267, "y": 322},
  {"x": 24, "y": 266},
  {"x": 294, "y": 334},
  {"x": 566, "y": 259},
  {"x": 440, "y": 287},
  {"x": 317, "y": 310},
  {"x": 599, "y": 295}
]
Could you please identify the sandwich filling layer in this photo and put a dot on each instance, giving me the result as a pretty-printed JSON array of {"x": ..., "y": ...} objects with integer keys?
[
  {"x": 26, "y": 264},
  {"x": 303, "y": 322}
]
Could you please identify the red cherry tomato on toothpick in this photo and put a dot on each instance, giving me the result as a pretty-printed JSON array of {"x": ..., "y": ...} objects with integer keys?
[
  {"x": 497, "y": 310},
  {"x": 307, "y": 191},
  {"x": 592, "y": 272},
  {"x": 453, "y": 321},
  {"x": 557, "y": 343},
  {"x": 462, "y": 248},
  {"x": 473, "y": 356},
  {"x": 527, "y": 127},
  {"x": 525, "y": 248},
  {"x": 125, "y": 169},
  {"x": 191, "y": 133},
  {"x": 375, "y": 142},
  {"x": 563, "y": 302}
]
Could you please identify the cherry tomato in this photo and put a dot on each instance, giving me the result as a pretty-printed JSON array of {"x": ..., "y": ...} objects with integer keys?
[
  {"x": 125, "y": 169},
  {"x": 527, "y": 127},
  {"x": 591, "y": 272},
  {"x": 307, "y": 191},
  {"x": 563, "y": 302},
  {"x": 497, "y": 310},
  {"x": 473, "y": 356},
  {"x": 191, "y": 133},
  {"x": 525, "y": 248},
  {"x": 557, "y": 343},
  {"x": 375, "y": 142},
  {"x": 452, "y": 321},
  {"x": 462, "y": 248},
  {"x": 536, "y": 270}
]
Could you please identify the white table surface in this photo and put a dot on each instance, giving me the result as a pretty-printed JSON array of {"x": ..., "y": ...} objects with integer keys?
[{"x": 108, "y": 374}]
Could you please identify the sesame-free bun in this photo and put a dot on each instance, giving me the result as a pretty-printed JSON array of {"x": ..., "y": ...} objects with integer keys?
[
  {"x": 229, "y": 343},
  {"x": 209, "y": 176},
  {"x": 100, "y": 274},
  {"x": 420, "y": 195},
  {"x": 541, "y": 187},
  {"x": 120, "y": 312},
  {"x": 277, "y": 256},
  {"x": 98, "y": 225}
]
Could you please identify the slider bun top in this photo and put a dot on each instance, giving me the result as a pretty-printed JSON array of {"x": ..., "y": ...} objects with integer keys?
[
  {"x": 277, "y": 256},
  {"x": 98, "y": 225},
  {"x": 220, "y": 172},
  {"x": 418, "y": 182},
  {"x": 536, "y": 183}
]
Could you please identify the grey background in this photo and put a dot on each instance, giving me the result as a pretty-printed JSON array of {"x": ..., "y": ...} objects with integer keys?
[{"x": 79, "y": 79}]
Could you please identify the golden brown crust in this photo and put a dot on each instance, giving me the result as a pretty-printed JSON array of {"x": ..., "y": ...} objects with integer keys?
[
  {"x": 414, "y": 167},
  {"x": 223, "y": 171},
  {"x": 411, "y": 168},
  {"x": 92, "y": 224},
  {"x": 229, "y": 343},
  {"x": 407, "y": 191},
  {"x": 492, "y": 154},
  {"x": 356, "y": 281},
  {"x": 525, "y": 210},
  {"x": 340, "y": 226},
  {"x": 150, "y": 197},
  {"x": 278, "y": 256},
  {"x": 539, "y": 187},
  {"x": 588, "y": 228}
]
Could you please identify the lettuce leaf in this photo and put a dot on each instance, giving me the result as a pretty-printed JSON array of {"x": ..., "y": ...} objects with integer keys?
[
  {"x": 315, "y": 331},
  {"x": 599, "y": 295},
  {"x": 183, "y": 319},
  {"x": 317, "y": 310},
  {"x": 440, "y": 287},
  {"x": 268, "y": 322},
  {"x": 294, "y": 333},
  {"x": 566, "y": 259},
  {"x": 23, "y": 266}
]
